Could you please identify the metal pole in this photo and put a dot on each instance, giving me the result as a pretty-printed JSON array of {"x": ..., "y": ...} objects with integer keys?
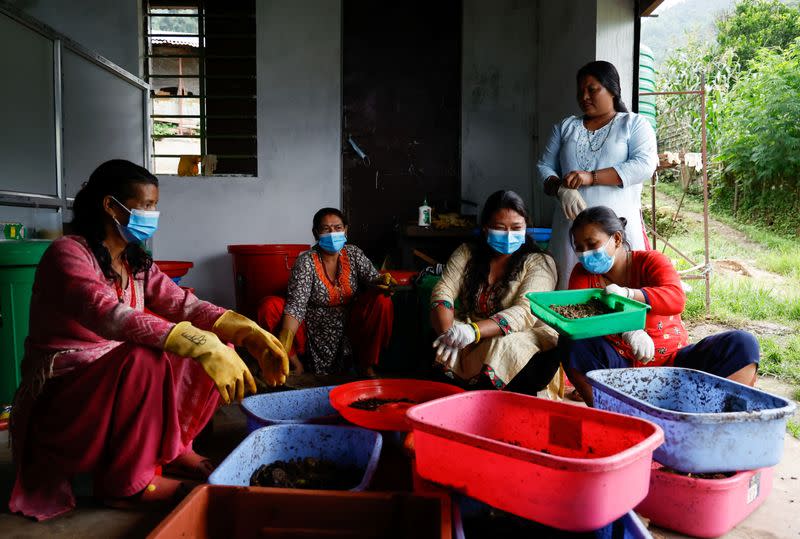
[
  {"x": 705, "y": 191},
  {"x": 653, "y": 180}
]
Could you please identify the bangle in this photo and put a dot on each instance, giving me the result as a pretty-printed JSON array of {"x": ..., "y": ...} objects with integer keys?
[
  {"x": 594, "y": 177},
  {"x": 477, "y": 332}
]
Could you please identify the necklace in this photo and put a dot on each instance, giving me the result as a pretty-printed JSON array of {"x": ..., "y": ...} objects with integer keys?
[{"x": 590, "y": 136}]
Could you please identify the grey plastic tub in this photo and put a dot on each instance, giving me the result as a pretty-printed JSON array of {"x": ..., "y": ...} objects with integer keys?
[{"x": 710, "y": 424}]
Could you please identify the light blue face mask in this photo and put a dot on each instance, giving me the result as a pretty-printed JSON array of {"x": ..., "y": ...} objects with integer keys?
[
  {"x": 505, "y": 242},
  {"x": 142, "y": 224},
  {"x": 333, "y": 241},
  {"x": 596, "y": 261}
]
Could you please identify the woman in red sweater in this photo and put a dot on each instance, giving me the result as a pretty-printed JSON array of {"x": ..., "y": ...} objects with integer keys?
[{"x": 607, "y": 262}]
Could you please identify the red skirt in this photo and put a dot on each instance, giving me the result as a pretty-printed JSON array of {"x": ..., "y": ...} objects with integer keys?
[
  {"x": 119, "y": 418},
  {"x": 369, "y": 327}
]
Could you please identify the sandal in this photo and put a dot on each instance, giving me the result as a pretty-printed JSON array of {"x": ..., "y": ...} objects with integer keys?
[
  {"x": 161, "y": 492},
  {"x": 190, "y": 465}
]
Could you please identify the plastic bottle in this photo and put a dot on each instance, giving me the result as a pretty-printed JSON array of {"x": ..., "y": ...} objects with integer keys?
[{"x": 424, "y": 214}]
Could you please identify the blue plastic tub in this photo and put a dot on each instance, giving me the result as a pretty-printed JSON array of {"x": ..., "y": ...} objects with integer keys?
[
  {"x": 540, "y": 234},
  {"x": 346, "y": 446},
  {"x": 506, "y": 525},
  {"x": 290, "y": 407},
  {"x": 710, "y": 424}
]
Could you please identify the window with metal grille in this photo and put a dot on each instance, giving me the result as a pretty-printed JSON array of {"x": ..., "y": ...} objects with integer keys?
[{"x": 201, "y": 66}]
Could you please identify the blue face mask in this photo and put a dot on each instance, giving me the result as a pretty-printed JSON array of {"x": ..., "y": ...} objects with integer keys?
[
  {"x": 505, "y": 242},
  {"x": 597, "y": 261},
  {"x": 142, "y": 224},
  {"x": 333, "y": 241}
]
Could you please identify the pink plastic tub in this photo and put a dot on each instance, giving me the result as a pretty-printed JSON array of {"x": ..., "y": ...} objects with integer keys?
[
  {"x": 704, "y": 507},
  {"x": 564, "y": 466}
]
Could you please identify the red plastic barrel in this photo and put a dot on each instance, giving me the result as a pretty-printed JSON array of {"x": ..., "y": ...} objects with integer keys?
[
  {"x": 174, "y": 268},
  {"x": 260, "y": 271}
]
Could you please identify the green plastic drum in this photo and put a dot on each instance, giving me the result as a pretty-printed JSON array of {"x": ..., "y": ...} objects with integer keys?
[{"x": 18, "y": 261}]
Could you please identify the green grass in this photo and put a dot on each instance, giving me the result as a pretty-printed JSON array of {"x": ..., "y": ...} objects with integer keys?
[
  {"x": 794, "y": 428},
  {"x": 781, "y": 360},
  {"x": 736, "y": 301}
]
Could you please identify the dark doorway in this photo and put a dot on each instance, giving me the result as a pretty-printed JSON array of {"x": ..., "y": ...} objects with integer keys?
[{"x": 402, "y": 108}]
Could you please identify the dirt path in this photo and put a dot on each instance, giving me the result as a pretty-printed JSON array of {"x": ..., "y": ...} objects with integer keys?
[{"x": 738, "y": 268}]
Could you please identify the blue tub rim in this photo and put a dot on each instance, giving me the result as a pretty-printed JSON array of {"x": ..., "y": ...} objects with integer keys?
[
  {"x": 369, "y": 470},
  {"x": 703, "y": 417},
  {"x": 308, "y": 421}
]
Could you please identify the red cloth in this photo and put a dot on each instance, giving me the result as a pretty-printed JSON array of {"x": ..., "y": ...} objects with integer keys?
[
  {"x": 653, "y": 273},
  {"x": 118, "y": 418},
  {"x": 369, "y": 328},
  {"x": 270, "y": 314},
  {"x": 94, "y": 376}
]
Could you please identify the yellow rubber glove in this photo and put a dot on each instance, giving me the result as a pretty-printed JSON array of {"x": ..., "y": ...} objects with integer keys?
[
  {"x": 220, "y": 362},
  {"x": 286, "y": 337},
  {"x": 386, "y": 283},
  {"x": 268, "y": 350}
]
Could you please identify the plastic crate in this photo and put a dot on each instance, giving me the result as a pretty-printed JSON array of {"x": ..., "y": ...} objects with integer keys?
[
  {"x": 513, "y": 451},
  {"x": 505, "y": 526},
  {"x": 346, "y": 446},
  {"x": 286, "y": 407},
  {"x": 710, "y": 424},
  {"x": 628, "y": 314},
  {"x": 212, "y": 512},
  {"x": 704, "y": 507}
]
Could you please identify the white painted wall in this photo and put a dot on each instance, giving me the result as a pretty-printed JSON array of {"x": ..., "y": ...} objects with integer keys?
[
  {"x": 566, "y": 42},
  {"x": 498, "y": 102},
  {"x": 299, "y": 134},
  {"x": 112, "y": 28},
  {"x": 615, "y": 29},
  {"x": 519, "y": 63}
]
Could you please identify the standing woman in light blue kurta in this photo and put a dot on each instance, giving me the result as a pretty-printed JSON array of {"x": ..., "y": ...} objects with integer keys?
[{"x": 600, "y": 158}]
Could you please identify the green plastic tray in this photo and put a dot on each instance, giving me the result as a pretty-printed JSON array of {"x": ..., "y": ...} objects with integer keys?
[{"x": 628, "y": 314}]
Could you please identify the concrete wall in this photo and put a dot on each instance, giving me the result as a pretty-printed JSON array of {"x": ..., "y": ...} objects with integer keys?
[
  {"x": 566, "y": 42},
  {"x": 498, "y": 102},
  {"x": 519, "y": 63},
  {"x": 299, "y": 133},
  {"x": 112, "y": 28},
  {"x": 615, "y": 28}
]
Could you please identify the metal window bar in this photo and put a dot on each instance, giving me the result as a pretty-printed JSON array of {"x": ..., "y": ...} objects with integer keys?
[
  {"x": 202, "y": 77},
  {"x": 705, "y": 268}
]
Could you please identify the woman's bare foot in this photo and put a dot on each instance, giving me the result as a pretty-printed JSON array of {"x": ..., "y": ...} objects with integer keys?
[
  {"x": 161, "y": 492},
  {"x": 190, "y": 465}
]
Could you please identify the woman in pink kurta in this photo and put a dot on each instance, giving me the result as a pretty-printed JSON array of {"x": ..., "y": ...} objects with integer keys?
[{"x": 123, "y": 368}]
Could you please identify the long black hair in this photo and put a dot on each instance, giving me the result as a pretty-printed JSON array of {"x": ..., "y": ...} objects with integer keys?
[
  {"x": 477, "y": 270},
  {"x": 605, "y": 218},
  {"x": 116, "y": 178},
  {"x": 607, "y": 75}
]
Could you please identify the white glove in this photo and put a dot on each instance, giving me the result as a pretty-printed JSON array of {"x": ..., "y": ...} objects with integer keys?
[
  {"x": 572, "y": 202},
  {"x": 642, "y": 346},
  {"x": 619, "y": 290},
  {"x": 458, "y": 336},
  {"x": 446, "y": 355}
]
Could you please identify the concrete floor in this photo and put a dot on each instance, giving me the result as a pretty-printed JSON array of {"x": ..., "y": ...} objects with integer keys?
[{"x": 779, "y": 517}]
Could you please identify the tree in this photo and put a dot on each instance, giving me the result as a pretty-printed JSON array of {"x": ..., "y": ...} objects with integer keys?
[
  {"x": 755, "y": 24},
  {"x": 759, "y": 141}
]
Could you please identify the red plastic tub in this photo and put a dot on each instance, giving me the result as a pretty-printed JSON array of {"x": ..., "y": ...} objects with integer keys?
[
  {"x": 175, "y": 269},
  {"x": 390, "y": 416},
  {"x": 211, "y": 512},
  {"x": 704, "y": 507},
  {"x": 573, "y": 468},
  {"x": 260, "y": 271}
]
